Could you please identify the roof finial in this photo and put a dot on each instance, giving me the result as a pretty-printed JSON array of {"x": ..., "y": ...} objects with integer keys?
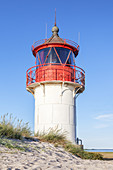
[
  {"x": 55, "y": 29},
  {"x": 55, "y": 16}
]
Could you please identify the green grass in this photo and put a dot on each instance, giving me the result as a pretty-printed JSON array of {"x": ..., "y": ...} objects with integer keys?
[
  {"x": 15, "y": 129},
  {"x": 81, "y": 153},
  {"x": 53, "y": 136},
  {"x": 57, "y": 138},
  {"x": 11, "y": 144},
  {"x": 12, "y": 128}
]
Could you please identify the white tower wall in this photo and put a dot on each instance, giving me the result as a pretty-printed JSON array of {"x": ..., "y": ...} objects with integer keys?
[{"x": 54, "y": 107}]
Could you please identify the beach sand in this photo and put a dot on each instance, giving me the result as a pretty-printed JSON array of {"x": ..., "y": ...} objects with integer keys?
[
  {"x": 42, "y": 156},
  {"x": 107, "y": 155}
]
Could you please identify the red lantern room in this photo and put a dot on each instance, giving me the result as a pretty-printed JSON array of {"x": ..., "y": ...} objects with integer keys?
[{"x": 55, "y": 61}]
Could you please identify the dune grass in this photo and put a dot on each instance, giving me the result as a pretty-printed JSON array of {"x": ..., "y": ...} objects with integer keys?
[
  {"x": 12, "y": 128},
  {"x": 81, "y": 153},
  {"x": 12, "y": 144},
  {"x": 53, "y": 136},
  {"x": 15, "y": 129},
  {"x": 57, "y": 138}
]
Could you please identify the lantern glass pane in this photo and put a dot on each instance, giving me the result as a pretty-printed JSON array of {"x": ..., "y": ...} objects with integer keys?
[{"x": 52, "y": 57}]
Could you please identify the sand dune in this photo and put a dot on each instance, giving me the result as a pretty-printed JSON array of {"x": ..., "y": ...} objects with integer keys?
[{"x": 42, "y": 156}]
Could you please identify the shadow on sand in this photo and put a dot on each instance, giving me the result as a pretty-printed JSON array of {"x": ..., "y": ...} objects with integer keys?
[{"x": 108, "y": 159}]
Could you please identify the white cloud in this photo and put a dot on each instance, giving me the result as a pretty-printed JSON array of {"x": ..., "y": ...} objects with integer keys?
[
  {"x": 104, "y": 121},
  {"x": 105, "y": 117},
  {"x": 101, "y": 126}
]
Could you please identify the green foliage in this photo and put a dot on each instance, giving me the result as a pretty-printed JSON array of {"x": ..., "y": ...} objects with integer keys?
[
  {"x": 81, "y": 153},
  {"x": 11, "y": 128},
  {"x": 11, "y": 144},
  {"x": 53, "y": 136},
  {"x": 57, "y": 138}
]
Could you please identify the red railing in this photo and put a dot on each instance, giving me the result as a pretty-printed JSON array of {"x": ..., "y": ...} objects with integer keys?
[
  {"x": 55, "y": 72},
  {"x": 37, "y": 43},
  {"x": 72, "y": 43},
  {"x": 66, "y": 41}
]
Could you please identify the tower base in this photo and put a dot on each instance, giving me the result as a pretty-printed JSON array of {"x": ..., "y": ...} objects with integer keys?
[{"x": 55, "y": 108}]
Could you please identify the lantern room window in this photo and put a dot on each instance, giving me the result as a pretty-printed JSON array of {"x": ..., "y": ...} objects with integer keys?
[
  {"x": 54, "y": 55},
  {"x": 63, "y": 53}
]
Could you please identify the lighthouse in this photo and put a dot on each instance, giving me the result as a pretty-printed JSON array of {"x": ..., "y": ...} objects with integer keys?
[{"x": 55, "y": 81}]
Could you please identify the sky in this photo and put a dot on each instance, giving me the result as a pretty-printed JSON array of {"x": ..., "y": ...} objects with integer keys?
[{"x": 22, "y": 22}]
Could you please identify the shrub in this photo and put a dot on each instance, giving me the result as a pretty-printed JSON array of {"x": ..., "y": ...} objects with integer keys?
[
  {"x": 11, "y": 128},
  {"x": 57, "y": 138},
  {"x": 81, "y": 153}
]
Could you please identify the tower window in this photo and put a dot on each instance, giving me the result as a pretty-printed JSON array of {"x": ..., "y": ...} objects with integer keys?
[{"x": 55, "y": 55}]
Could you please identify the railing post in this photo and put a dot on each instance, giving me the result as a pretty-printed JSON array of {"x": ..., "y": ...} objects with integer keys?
[
  {"x": 64, "y": 41},
  {"x": 74, "y": 73},
  {"x": 56, "y": 73},
  {"x": 81, "y": 79}
]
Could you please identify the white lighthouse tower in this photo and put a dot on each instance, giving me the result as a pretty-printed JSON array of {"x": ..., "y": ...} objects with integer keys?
[{"x": 54, "y": 82}]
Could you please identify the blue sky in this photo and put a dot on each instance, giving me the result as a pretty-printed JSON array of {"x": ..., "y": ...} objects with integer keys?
[{"x": 24, "y": 21}]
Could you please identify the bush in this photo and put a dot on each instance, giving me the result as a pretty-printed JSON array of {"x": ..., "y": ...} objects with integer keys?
[
  {"x": 11, "y": 128},
  {"x": 57, "y": 138},
  {"x": 81, "y": 153}
]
